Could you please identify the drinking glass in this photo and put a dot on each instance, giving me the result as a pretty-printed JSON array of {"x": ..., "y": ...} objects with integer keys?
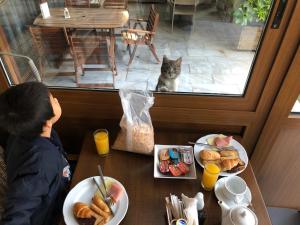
[
  {"x": 210, "y": 175},
  {"x": 101, "y": 141}
]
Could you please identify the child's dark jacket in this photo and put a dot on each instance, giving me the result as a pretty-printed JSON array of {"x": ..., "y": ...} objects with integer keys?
[{"x": 37, "y": 176}]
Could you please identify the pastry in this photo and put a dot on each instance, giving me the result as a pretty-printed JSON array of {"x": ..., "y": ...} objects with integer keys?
[
  {"x": 209, "y": 155},
  {"x": 104, "y": 215},
  {"x": 228, "y": 164},
  {"x": 82, "y": 210},
  {"x": 229, "y": 154},
  {"x": 84, "y": 215},
  {"x": 100, "y": 204}
]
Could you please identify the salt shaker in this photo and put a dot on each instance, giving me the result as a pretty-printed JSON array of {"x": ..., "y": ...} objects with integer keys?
[
  {"x": 200, "y": 207},
  {"x": 66, "y": 13},
  {"x": 200, "y": 201}
]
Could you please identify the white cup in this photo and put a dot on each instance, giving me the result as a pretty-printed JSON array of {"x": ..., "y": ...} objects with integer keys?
[{"x": 235, "y": 188}]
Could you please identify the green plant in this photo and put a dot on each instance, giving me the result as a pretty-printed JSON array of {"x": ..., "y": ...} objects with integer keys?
[{"x": 250, "y": 10}]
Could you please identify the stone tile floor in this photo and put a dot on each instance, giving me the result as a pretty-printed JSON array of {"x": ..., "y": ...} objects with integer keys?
[{"x": 211, "y": 64}]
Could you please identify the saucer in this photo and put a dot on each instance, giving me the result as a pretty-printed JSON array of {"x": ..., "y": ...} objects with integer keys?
[{"x": 230, "y": 202}]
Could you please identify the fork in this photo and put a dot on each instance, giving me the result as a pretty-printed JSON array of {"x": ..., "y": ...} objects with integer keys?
[
  {"x": 213, "y": 146},
  {"x": 108, "y": 202},
  {"x": 107, "y": 195}
]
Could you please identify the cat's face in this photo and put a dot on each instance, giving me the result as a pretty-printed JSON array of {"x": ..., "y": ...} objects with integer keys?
[{"x": 171, "y": 68}]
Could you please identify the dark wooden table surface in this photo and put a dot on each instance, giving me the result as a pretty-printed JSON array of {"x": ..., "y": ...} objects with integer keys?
[{"x": 146, "y": 194}]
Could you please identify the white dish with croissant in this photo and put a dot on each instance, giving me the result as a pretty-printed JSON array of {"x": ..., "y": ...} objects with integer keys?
[
  {"x": 84, "y": 191},
  {"x": 232, "y": 161}
]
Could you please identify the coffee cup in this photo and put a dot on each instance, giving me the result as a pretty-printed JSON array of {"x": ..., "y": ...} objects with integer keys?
[{"x": 235, "y": 188}]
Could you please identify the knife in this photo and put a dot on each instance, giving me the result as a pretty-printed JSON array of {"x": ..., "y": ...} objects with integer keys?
[
  {"x": 102, "y": 179},
  {"x": 105, "y": 194}
]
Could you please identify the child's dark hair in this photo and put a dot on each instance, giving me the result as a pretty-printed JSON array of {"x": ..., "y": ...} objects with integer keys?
[{"x": 25, "y": 108}]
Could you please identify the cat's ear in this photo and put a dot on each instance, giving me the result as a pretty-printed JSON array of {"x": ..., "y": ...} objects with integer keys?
[
  {"x": 165, "y": 59},
  {"x": 178, "y": 61}
]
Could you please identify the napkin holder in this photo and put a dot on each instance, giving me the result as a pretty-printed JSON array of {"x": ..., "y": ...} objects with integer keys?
[{"x": 45, "y": 10}]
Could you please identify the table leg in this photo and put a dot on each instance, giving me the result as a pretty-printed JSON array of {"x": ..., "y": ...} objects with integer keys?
[{"x": 112, "y": 52}]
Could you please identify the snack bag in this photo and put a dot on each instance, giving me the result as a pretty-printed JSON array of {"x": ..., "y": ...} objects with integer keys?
[{"x": 136, "y": 133}]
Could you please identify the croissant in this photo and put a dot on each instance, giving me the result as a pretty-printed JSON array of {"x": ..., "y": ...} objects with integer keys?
[
  {"x": 229, "y": 154},
  {"x": 228, "y": 164},
  {"x": 209, "y": 155},
  {"x": 82, "y": 210},
  {"x": 96, "y": 209},
  {"x": 100, "y": 203}
]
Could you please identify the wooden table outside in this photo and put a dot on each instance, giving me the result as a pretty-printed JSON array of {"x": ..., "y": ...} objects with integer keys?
[
  {"x": 146, "y": 194},
  {"x": 88, "y": 18}
]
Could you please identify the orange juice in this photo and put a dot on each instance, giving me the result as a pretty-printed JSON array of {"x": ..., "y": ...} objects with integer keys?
[
  {"x": 210, "y": 175},
  {"x": 102, "y": 141}
]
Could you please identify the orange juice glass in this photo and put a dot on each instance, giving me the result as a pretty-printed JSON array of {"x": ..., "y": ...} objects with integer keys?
[
  {"x": 101, "y": 141},
  {"x": 210, "y": 176}
]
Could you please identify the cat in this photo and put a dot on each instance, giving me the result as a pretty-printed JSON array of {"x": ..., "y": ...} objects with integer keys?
[{"x": 170, "y": 71}]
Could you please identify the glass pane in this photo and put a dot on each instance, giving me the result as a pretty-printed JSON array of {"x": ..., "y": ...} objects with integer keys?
[
  {"x": 209, "y": 45},
  {"x": 296, "y": 107}
]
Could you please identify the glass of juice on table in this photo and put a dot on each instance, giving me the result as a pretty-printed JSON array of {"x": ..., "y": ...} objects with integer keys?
[
  {"x": 210, "y": 176},
  {"x": 101, "y": 141}
]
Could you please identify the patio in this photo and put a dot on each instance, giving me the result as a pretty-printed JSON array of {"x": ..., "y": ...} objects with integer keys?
[{"x": 211, "y": 63}]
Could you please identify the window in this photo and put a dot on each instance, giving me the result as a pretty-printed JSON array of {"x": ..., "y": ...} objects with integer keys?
[{"x": 216, "y": 47}]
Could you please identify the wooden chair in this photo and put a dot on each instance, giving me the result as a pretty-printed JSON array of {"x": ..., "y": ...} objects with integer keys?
[
  {"x": 77, "y": 3},
  {"x": 91, "y": 51},
  {"x": 115, "y": 4},
  {"x": 142, "y": 36},
  {"x": 51, "y": 43},
  {"x": 183, "y": 7}
]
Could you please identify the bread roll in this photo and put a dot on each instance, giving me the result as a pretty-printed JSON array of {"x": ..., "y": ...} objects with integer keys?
[
  {"x": 209, "y": 155},
  {"x": 229, "y": 154},
  {"x": 82, "y": 210},
  {"x": 100, "y": 203},
  {"x": 228, "y": 164}
]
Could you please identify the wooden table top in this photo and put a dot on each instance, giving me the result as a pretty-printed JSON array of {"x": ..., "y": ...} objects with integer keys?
[
  {"x": 85, "y": 18},
  {"x": 146, "y": 194}
]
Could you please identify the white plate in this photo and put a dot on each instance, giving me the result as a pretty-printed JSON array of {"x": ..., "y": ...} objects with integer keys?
[
  {"x": 241, "y": 150},
  {"x": 84, "y": 191},
  {"x": 219, "y": 187},
  {"x": 191, "y": 175}
]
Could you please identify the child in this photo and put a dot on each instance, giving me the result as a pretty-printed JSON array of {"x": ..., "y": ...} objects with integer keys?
[{"x": 37, "y": 171}]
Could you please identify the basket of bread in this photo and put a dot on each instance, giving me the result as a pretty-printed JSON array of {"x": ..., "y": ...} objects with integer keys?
[{"x": 222, "y": 150}]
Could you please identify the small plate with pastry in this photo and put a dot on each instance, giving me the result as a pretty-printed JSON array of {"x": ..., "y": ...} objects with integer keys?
[
  {"x": 84, "y": 204},
  {"x": 174, "y": 161},
  {"x": 230, "y": 155}
]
